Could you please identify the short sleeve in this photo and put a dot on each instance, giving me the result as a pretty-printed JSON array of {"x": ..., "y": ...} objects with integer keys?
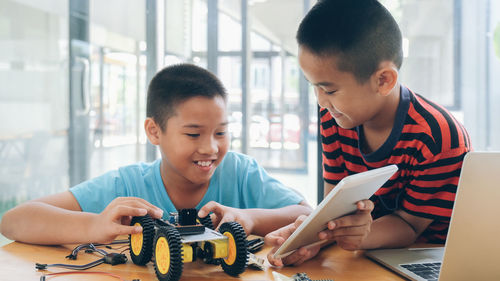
[
  {"x": 433, "y": 185},
  {"x": 260, "y": 190},
  {"x": 333, "y": 162},
  {"x": 95, "y": 194}
]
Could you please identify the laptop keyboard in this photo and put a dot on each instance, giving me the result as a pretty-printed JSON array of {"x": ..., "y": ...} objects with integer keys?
[{"x": 428, "y": 271}]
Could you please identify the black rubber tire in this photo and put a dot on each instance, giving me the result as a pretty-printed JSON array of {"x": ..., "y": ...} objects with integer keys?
[
  {"x": 207, "y": 222},
  {"x": 146, "y": 251},
  {"x": 174, "y": 244},
  {"x": 241, "y": 256}
]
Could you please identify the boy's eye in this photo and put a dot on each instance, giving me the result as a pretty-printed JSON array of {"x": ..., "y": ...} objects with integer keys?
[
  {"x": 193, "y": 135},
  {"x": 330, "y": 92},
  {"x": 221, "y": 133}
]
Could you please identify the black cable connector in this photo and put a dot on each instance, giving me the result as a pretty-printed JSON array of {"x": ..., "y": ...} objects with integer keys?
[
  {"x": 115, "y": 258},
  {"x": 41, "y": 266},
  {"x": 71, "y": 256},
  {"x": 255, "y": 245}
]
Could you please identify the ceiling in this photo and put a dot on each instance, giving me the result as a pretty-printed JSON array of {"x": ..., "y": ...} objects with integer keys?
[
  {"x": 281, "y": 18},
  {"x": 277, "y": 20}
]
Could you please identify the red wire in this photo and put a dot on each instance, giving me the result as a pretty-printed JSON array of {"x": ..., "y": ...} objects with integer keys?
[{"x": 85, "y": 272}]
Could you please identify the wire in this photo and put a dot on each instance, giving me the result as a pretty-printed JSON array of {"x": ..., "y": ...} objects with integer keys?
[
  {"x": 121, "y": 241},
  {"x": 124, "y": 250},
  {"x": 89, "y": 246},
  {"x": 113, "y": 258},
  {"x": 43, "y": 277},
  {"x": 70, "y": 266}
]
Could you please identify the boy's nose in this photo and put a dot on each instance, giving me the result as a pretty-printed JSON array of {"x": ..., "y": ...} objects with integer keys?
[{"x": 209, "y": 147}]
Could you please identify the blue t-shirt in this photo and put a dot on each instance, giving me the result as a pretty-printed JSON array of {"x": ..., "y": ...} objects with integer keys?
[{"x": 239, "y": 182}]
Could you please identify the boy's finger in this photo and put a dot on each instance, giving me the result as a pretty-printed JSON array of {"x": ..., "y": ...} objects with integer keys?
[
  {"x": 211, "y": 206},
  {"x": 154, "y": 212},
  {"x": 223, "y": 220},
  {"x": 139, "y": 202},
  {"x": 286, "y": 230},
  {"x": 126, "y": 220},
  {"x": 300, "y": 220},
  {"x": 123, "y": 211},
  {"x": 358, "y": 219},
  {"x": 294, "y": 257},
  {"x": 275, "y": 262},
  {"x": 365, "y": 206},
  {"x": 278, "y": 237},
  {"x": 356, "y": 231},
  {"x": 272, "y": 260},
  {"x": 273, "y": 240},
  {"x": 304, "y": 258},
  {"x": 125, "y": 229}
]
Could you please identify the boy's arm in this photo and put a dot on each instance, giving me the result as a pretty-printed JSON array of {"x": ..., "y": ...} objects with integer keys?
[
  {"x": 267, "y": 220},
  {"x": 255, "y": 221},
  {"x": 405, "y": 229},
  {"x": 58, "y": 219}
]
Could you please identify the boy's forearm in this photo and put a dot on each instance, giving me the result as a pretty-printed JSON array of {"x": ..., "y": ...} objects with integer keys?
[
  {"x": 267, "y": 220},
  {"x": 41, "y": 223},
  {"x": 401, "y": 234}
]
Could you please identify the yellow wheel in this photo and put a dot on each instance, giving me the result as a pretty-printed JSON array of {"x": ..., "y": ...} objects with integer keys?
[
  {"x": 237, "y": 258},
  {"x": 141, "y": 244},
  {"x": 168, "y": 254}
]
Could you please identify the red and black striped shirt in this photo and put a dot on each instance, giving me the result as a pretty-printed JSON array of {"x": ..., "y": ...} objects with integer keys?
[{"x": 426, "y": 143}]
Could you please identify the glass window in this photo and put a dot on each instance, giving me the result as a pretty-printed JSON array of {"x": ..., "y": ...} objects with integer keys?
[
  {"x": 259, "y": 43},
  {"x": 118, "y": 95},
  {"x": 278, "y": 124},
  {"x": 428, "y": 47},
  {"x": 229, "y": 68},
  {"x": 449, "y": 49},
  {"x": 199, "y": 26},
  {"x": 229, "y": 33},
  {"x": 34, "y": 96},
  {"x": 177, "y": 27}
]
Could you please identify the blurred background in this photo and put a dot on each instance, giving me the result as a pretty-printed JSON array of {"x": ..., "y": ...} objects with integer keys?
[{"x": 74, "y": 75}]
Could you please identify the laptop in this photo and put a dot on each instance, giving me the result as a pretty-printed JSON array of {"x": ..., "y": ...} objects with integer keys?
[{"x": 472, "y": 249}]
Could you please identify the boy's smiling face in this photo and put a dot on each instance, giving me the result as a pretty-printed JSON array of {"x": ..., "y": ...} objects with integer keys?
[
  {"x": 351, "y": 104},
  {"x": 195, "y": 140}
]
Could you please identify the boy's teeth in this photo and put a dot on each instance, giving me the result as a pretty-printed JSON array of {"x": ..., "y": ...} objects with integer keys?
[{"x": 204, "y": 163}]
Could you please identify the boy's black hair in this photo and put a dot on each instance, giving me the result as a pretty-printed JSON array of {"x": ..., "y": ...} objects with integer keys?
[
  {"x": 176, "y": 84},
  {"x": 360, "y": 33}
]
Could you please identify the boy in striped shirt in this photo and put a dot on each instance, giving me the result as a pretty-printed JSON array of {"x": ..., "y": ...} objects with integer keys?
[{"x": 350, "y": 51}]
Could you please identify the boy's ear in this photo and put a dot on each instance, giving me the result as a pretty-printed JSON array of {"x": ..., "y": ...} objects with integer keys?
[
  {"x": 386, "y": 77},
  {"x": 153, "y": 131}
]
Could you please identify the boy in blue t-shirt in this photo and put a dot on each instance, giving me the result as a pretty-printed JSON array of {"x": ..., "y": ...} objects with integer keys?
[{"x": 186, "y": 118}]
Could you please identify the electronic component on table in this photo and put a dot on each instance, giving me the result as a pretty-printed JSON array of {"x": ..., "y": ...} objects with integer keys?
[{"x": 297, "y": 277}]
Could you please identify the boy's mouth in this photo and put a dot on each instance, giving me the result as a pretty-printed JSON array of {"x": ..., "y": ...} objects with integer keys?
[
  {"x": 335, "y": 114},
  {"x": 204, "y": 163}
]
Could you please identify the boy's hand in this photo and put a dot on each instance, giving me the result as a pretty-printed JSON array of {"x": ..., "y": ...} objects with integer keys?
[
  {"x": 350, "y": 231},
  {"x": 222, "y": 214},
  {"x": 278, "y": 237},
  {"x": 115, "y": 219}
]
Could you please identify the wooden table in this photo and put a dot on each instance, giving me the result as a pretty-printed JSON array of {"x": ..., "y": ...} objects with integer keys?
[{"x": 17, "y": 262}]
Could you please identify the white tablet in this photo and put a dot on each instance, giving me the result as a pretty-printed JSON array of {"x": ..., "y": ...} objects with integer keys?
[{"x": 339, "y": 202}]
